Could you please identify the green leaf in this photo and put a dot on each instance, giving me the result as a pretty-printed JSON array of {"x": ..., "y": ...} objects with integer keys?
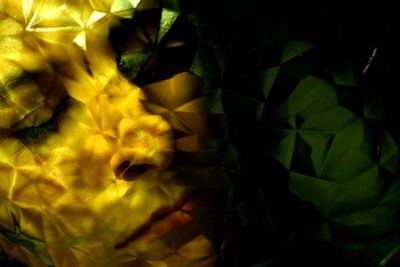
[
  {"x": 328, "y": 122},
  {"x": 295, "y": 48},
  {"x": 76, "y": 241},
  {"x": 268, "y": 77},
  {"x": 168, "y": 18},
  {"x": 361, "y": 192},
  {"x": 206, "y": 63},
  {"x": 320, "y": 144},
  {"x": 324, "y": 233},
  {"x": 344, "y": 75},
  {"x": 131, "y": 64},
  {"x": 389, "y": 153},
  {"x": 321, "y": 193},
  {"x": 311, "y": 95},
  {"x": 392, "y": 196},
  {"x": 283, "y": 150},
  {"x": 123, "y": 5},
  {"x": 33, "y": 245},
  {"x": 370, "y": 223},
  {"x": 345, "y": 159}
]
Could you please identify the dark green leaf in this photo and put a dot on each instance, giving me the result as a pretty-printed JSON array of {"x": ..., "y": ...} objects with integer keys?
[
  {"x": 268, "y": 77},
  {"x": 168, "y": 18},
  {"x": 295, "y": 48}
]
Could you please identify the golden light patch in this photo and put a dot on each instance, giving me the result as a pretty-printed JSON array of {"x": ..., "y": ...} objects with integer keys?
[{"x": 84, "y": 151}]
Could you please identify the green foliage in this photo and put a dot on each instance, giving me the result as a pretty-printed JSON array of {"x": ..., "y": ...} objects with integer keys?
[
  {"x": 33, "y": 245},
  {"x": 132, "y": 63},
  {"x": 295, "y": 48},
  {"x": 324, "y": 151}
]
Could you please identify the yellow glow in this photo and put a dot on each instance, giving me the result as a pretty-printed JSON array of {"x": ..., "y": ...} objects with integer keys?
[{"x": 64, "y": 181}]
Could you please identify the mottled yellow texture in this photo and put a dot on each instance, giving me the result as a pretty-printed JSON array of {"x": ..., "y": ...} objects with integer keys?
[{"x": 67, "y": 187}]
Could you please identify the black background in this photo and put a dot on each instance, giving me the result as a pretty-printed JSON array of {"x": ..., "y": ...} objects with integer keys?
[{"x": 251, "y": 35}]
